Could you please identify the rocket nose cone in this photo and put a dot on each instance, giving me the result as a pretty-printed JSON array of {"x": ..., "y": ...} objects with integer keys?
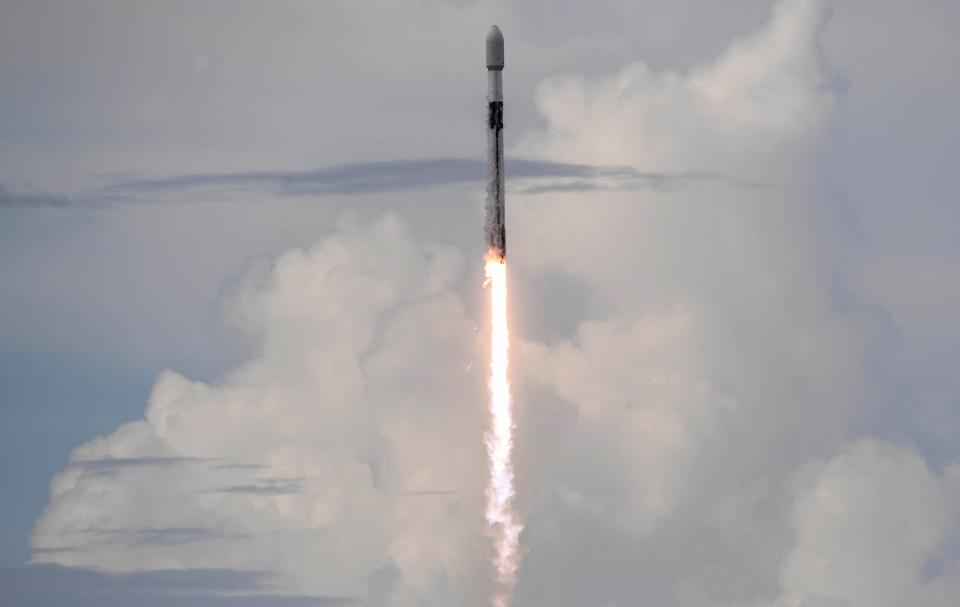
[{"x": 494, "y": 49}]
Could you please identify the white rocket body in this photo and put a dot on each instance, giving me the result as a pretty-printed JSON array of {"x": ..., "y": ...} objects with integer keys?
[{"x": 495, "y": 230}]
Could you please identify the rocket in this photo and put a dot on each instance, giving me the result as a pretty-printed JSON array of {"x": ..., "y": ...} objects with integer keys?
[{"x": 495, "y": 230}]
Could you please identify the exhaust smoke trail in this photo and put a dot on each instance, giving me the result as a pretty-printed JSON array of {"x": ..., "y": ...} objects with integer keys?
[{"x": 505, "y": 526}]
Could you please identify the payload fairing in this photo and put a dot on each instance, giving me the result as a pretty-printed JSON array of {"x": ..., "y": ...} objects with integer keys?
[{"x": 495, "y": 229}]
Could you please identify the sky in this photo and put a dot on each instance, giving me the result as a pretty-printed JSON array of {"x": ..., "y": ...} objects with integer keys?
[{"x": 242, "y": 344}]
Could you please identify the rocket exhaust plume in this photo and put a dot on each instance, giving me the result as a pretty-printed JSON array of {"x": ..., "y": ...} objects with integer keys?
[{"x": 505, "y": 526}]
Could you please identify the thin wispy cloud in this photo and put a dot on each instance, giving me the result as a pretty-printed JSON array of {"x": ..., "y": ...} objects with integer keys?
[
  {"x": 275, "y": 486},
  {"x": 113, "y": 463},
  {"x": 528, "y": 176},
  {"x": 134, "y": 537},
  {"x": 48, "y": 585},
  {"x": 31, "y": 199},
  {"x": 525, "y": 177}
]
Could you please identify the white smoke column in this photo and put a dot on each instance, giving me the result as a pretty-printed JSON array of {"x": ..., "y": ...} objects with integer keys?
[{"x": 504, "y": 524}]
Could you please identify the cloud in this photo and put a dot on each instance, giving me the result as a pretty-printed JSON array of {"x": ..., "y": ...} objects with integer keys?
[
  {"x": 49, "y": 585},
  {"x": 133, "y": 462},
  {"x": 526, "y": 176},
  {"x": 766, "y": 93},
  {"x": 531, "y": 176},
  {"x": 691, "y": 440},
  {"x": 32, "y": 199},
  {"x": 344, "y": 396},
  {"x": 280, "y": 486},
  {"x": 875, "y": 526}
]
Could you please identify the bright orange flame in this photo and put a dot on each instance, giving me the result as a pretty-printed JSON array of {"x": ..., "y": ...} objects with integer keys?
[{"x": 504, "y": 523}]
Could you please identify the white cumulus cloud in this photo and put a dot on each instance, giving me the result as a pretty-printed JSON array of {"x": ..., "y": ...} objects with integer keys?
[{"x": 345, "y": 457}]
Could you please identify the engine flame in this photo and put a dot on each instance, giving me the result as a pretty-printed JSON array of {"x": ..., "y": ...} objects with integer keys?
[{"x": 505, "y": 526}]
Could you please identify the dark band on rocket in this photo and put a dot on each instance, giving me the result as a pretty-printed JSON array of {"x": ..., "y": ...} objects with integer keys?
[{"x": 495, "y": 115}]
